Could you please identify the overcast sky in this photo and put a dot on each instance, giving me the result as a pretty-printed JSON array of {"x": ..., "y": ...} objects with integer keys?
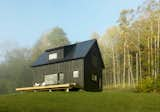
[{"x": 24, "y": 21}]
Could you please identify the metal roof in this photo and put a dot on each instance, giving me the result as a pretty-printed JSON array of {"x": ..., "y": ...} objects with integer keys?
[{"x": 71, "y": 52}]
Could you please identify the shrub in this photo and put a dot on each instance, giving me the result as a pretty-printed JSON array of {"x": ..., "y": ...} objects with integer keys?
[
  {"x": 157, "y": 84},
  {"x": 149, "y": 84}
]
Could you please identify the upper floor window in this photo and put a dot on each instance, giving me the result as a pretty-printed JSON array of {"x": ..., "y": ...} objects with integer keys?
[{"x": 53, "y": 56}]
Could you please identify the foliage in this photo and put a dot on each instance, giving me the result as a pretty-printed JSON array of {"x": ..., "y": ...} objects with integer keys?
[
  {"x": 16, "y": 71},
  {"x": 55, "y": 38},
  {"x": 130, "y": 50},
  {"x": 149, "y": 84}
]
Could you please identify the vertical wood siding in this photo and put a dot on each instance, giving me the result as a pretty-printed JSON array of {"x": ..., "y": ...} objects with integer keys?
[
  {"x": 65, "y": 67},
  {"x": 93, "y": 65}
]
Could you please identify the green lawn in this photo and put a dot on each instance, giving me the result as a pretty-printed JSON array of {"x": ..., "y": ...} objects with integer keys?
[{"x": 107, "y": 101}]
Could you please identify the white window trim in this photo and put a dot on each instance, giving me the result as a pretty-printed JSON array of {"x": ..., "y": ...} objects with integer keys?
[
  {"x": 53, "y": 56},
  {"x": 76, "y": 74}
]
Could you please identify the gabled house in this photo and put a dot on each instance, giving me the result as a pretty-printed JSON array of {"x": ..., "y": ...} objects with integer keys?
[{"x": 79, "y": 63}]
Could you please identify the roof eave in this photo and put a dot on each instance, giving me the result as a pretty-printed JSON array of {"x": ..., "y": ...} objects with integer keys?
[{"x": 33, "y": 66}]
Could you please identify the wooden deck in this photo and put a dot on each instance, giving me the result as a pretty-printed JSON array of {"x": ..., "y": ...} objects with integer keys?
[{"x": 49, "y": 87}]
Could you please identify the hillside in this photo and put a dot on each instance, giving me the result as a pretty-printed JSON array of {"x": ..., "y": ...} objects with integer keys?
[{"x": 107, "y": 101}]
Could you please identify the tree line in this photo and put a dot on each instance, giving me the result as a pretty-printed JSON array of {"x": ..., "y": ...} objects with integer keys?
[
  {"x": 131, "y": 49},
  {"x": 15, "y": 68}
]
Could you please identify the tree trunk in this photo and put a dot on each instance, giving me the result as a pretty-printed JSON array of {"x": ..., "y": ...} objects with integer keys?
[
  {"x": 131, "y": 71},
  {"x": 124, "y": 63},
  {"x": 140, "y": 66},
  {"x": 118, "y": 69},
  {"x": 158, "y": 55},
  {"x": 155, "y": 57},
  {"x": 149, "y": 61},
  {"x": 137, "y": 70},
  {"x": 114, "y": 68},
  {"x": 152, "y": 62}
]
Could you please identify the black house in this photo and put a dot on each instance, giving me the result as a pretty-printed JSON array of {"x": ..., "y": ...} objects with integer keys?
[{"x": 79, "y": 63}]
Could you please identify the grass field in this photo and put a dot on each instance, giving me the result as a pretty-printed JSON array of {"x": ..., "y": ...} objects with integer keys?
[{"x": 107, "y": 101}]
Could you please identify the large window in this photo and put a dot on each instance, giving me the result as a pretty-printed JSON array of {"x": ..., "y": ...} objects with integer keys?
[
  {"x": 50, "y": 79},
  {"x": 53, "y": 56},
  {"x": 75, "y": 74}
]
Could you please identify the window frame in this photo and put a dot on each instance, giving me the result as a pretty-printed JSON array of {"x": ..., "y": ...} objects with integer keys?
[{"x": 53, "y": 56}]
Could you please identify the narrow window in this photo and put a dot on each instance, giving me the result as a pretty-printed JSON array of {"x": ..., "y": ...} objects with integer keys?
[
  {"x": 94, "y": 77},
  {"x": 60, "y": 78},
  {"x": 75, "y": 74},
  {"x": 52, "y": 56}
]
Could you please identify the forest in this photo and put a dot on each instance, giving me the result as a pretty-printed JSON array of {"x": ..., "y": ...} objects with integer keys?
[{"x": 130, "y": 51}]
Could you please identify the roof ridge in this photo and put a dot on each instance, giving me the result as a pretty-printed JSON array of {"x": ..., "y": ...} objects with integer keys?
[{"x": 56, "y": 48}]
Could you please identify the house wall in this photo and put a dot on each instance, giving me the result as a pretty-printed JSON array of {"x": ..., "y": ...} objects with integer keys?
[
  {"x": 65, "y": 67},
  {"x": 93, "y": 65}
]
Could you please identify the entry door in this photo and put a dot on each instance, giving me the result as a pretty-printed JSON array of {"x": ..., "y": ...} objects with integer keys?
[
  {"x": 61, "y": 78},
  {"x": 51, "y": 79}
]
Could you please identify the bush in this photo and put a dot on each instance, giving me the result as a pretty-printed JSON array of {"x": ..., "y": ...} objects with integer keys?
[
  {"x": 157, "y": 84},
  {"x": 146, "y": 85},
  {"x": 149, "y": 84}
]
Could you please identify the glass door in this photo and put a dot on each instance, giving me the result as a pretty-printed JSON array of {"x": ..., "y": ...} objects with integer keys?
[{"x": 51, "y": 79}]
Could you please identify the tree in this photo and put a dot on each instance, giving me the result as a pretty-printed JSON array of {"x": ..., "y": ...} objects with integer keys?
[
  {"x": 132, "y": 52},
  {"x": 16, "y": 71},
  {"x": 95, "y": 35},
  {"x": 55, "y": 38}
]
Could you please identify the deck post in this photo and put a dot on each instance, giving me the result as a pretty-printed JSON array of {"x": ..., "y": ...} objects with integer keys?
[
  {"x": 67, "y": 90},
  {"x": 50, "y": 90}
]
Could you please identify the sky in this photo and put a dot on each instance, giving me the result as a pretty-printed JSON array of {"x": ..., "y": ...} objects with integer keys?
[{"x": 25, "y": 21}]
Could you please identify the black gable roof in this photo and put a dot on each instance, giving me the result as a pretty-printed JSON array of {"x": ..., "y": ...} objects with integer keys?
[{"x": 71, "y": 52}]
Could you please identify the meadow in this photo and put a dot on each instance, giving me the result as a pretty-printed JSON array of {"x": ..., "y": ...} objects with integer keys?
[{"x": 106, "y": 101}]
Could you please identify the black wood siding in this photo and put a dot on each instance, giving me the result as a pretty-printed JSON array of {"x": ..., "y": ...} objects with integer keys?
[
  {"x": 65, "y": 67},
  {"x": 93, "y": 65}
]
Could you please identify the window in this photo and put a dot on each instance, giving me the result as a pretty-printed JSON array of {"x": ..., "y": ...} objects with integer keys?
[
  {"x": 50, "y": 79},
  {"x": 94, "y": 77},
  {"x": 75, "y": 74},
  {"x": 52, "y": 56},
  {"x": 60, "y": 78}
]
